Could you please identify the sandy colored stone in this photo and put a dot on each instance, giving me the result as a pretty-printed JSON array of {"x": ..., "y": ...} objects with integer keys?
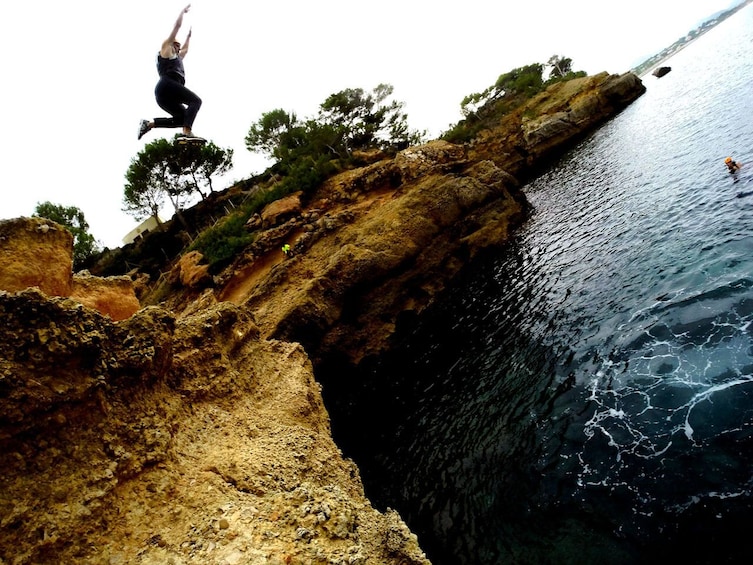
[
  {"x": 162, "y": 440},
  {"x": 278, "y": 211},
  {"x": 195, "y": 432},
  {"x": 388, "y": 236},
  {"x": 35, "y": 252},
  {"x": 112, "y": 296},
  {"x": 192, "y": 273}
]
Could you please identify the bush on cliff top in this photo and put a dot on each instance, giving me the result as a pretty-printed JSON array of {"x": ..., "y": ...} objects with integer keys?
[
  {"x": 348, "y": 121},
  {"x": 482, "y": 110},
  {"x": 220, "y": 243}
]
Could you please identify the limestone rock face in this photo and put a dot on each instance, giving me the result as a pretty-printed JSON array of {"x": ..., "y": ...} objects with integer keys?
[
  {"x": 396, "y": 231},
  {"x": 194, "y": 432},
  {"x": 191, "y": 273},
  {"x": 436, "y": 156},
  {"x": 388, "y": 236},
  {"x": 36, "y": 252},
  {"x": 156, "y": 440},
  {"x": 552, "y": 121},
  {"x": 112, "y": 296},
  {"x": 280, "y": 210}
]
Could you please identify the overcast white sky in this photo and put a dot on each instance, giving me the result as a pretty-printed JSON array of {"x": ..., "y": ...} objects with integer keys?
[{"x": 78, "y": 75}]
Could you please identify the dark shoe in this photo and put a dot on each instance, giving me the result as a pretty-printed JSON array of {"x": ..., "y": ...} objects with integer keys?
[{"x": 143, "y": 128}]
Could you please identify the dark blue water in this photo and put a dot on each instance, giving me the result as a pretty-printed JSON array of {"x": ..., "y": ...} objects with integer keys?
[{"x": 586, "y": 394}]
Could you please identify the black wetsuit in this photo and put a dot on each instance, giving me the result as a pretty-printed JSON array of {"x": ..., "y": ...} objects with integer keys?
[{"x": 172, "y": 95}]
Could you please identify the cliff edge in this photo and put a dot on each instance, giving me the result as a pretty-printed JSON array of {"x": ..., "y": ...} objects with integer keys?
[
  {"x": 154, "y": 440},
  {"x": 380, "y": 242},
  {"x": 189, "y": 428}
]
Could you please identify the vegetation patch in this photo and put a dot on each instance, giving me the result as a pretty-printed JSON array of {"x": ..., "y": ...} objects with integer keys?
[{"x": 483, "y": 110}]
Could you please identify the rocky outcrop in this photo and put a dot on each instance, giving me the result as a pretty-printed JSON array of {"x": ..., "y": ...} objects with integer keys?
[
  {"x": 36, "y": 253},
  {"x": 194, "y": 432},
  {"x": 156, "y": 440},
  {"x": 661, "y": 71},
  {"x": 386, "y": 238},
  {"x": 553, "y": 121},
  {"x": 39, "y": 253},
  {"x": 114, "y": 297},
  {"x": 191, "y": 271},
  {"x": 280, "y": 210}
]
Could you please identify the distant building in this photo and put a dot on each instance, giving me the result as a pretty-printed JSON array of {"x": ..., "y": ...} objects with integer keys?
[{"x": 150, "y": 224}]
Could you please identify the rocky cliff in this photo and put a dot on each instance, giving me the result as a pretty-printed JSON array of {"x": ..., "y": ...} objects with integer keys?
[
  {"x": 164, "y": 440},
  {"x": 193, "y": 431},
  {"x": 381, "y": 241}
]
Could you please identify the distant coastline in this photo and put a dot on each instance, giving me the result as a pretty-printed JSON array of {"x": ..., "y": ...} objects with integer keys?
[
  {"x": 643, "y": 69},
  {"x": 654, "y": 61}
]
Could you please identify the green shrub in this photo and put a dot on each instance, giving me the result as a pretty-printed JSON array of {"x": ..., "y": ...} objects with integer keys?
[
  {"x": 485, "y": 109},
  {"x": 220, "y": 243},
  {"x": 307, "y": 174},
  {"x": 223, "y": 241}
]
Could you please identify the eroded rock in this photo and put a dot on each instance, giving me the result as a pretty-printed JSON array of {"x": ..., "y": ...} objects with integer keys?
[
  {"x": 192, "y": 271},
  {"x": 112, "y": 296},
  {"x": 281, "y": 210},
  {"x": 155, "y": 440},
  {"x": 199, "y": 435},
  {"x": 36, "y": 253}
]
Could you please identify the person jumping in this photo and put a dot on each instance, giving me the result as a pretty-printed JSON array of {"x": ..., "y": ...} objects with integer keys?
[{"x": 171, "y": 92}]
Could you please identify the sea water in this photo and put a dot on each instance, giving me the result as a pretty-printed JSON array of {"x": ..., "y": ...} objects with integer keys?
[{"x": 585, "y": 395}]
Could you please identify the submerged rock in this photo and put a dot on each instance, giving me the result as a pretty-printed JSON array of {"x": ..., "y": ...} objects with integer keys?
[{"x": 661, "y": 71}]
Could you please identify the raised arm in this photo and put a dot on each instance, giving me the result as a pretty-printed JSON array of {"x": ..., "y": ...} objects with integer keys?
[
  {"x": 166, "y": 50},
  {"x": 184, "y": 47}
]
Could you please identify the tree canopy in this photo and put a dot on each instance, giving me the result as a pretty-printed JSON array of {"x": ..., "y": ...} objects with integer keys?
[
  {"x": 520, "y": 82},
  {"x": 306, "y": 150},
  {"x": 560, "y": 66},
  {"x": 84, "y": 244},
  {"x": 165, "y": 170}
]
